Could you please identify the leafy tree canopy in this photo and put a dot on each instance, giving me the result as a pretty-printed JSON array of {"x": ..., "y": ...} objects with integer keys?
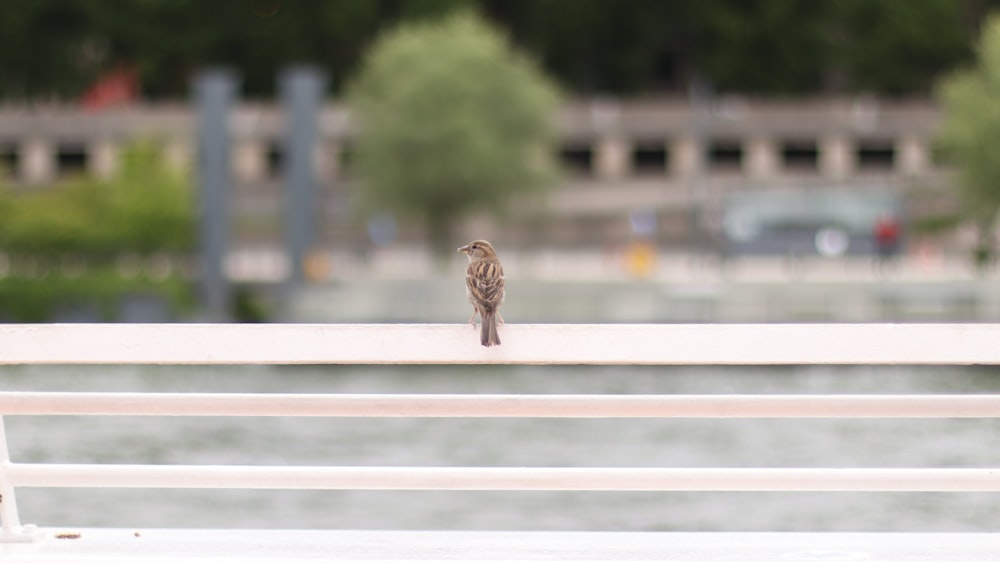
[
  {"x": 451, "y": 120},
  {"x": 591, "y": 46},
  {"x": 970, "y": 134}
]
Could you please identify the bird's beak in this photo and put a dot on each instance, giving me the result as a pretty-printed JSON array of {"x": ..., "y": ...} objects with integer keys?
[{"x": 464, "y": 249}]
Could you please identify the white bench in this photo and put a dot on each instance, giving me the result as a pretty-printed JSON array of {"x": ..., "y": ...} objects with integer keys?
[{"x": 523, "y": 344}]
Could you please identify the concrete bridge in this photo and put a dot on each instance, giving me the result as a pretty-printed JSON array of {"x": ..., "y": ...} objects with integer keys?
[{"x": 665, "y": 156}]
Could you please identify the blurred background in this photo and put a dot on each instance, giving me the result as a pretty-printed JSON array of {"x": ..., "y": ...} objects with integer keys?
[
  {"x": 632, "y": 161},
  {"x": 636, "y": 161}
]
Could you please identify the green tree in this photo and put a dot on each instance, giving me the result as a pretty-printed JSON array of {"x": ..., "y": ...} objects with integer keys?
[
  {"x": 970, "y": 134},
  {"x": 152, "y": 205},
  {"x": 884, "y": 46},
  {"x": 62, "y": 243},
  {"x": 593, "y": 46},
  {"x": 452, "y": 121},
  {"x": 146, "y": 208}
]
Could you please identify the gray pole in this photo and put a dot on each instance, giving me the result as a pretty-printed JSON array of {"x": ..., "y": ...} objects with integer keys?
[
  {"x": 302, "y": 91},
  {"x": 214, "y": 91},
  {"x": 699, "y": 100}
]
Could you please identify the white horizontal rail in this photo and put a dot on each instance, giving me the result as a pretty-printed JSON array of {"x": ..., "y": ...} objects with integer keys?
[
  {"x": 749, "y": 344},
  {"x": 527, "y": 406},
  {"x": 503, "y": 478}
]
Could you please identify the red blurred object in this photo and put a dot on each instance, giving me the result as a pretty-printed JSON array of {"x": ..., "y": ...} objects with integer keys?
[
  {"x": 886, "y": 230},
  {"x": 886, "y": 233},
  {"x": 116, "y": 88}
]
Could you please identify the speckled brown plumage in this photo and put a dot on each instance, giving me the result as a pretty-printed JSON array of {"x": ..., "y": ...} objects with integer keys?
[{"x": 485, "y": 287}]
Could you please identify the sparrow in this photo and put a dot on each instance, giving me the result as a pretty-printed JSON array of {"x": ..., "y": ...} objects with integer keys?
[{"x": 484, "y": 287}]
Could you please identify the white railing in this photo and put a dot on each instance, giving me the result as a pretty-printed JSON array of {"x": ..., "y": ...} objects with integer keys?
[
  {"x": 523, "y": 344},
  {"x": 625, "y": 344}
]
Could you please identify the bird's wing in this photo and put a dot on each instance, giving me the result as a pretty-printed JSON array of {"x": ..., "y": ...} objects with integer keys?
[{"x": 485, "y": 281}]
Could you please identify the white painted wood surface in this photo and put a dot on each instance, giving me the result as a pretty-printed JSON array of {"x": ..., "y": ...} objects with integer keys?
[
  {"x": 10, "y": 521},
  {"x": 938, "y": 344},
  {"x": 503, "y": 478},
  {"x": 486, "y": 406},
  {"x": 747, "y": 344},
  {"x": 260, "y": 546}
]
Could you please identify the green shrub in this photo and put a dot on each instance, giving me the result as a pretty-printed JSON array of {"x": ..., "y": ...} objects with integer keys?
[{"x": 60, "y": 243}]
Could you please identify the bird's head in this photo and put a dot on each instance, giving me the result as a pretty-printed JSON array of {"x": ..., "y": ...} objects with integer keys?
[{"x": 478, "y": 249}]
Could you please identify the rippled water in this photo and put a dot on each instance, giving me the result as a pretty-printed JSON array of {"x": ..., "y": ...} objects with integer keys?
[{"x": 509, "y": 442}]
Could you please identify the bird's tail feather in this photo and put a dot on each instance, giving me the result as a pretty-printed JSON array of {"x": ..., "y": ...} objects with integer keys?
[{"x": 488, "y": 335}]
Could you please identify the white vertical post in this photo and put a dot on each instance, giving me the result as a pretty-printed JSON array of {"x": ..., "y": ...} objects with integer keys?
[
  {"x": 37, "y": 164},
  {"x": 837, "y": 158},
  {"x": 102, "y": 158},
  {"x": 613, "y": 154},
  {"x": 249, "y": 160},
  {"x": 12, "y": 530},
  {"x": 913, "y": 158},
  {"x": 762, "y": 160}
]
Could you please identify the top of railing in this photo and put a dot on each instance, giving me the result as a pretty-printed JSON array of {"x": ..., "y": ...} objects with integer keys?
[{"x": 620, "y": 344}]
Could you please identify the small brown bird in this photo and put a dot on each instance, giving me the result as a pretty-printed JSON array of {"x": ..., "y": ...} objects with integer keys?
[{"x": 484, "y": 286}]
